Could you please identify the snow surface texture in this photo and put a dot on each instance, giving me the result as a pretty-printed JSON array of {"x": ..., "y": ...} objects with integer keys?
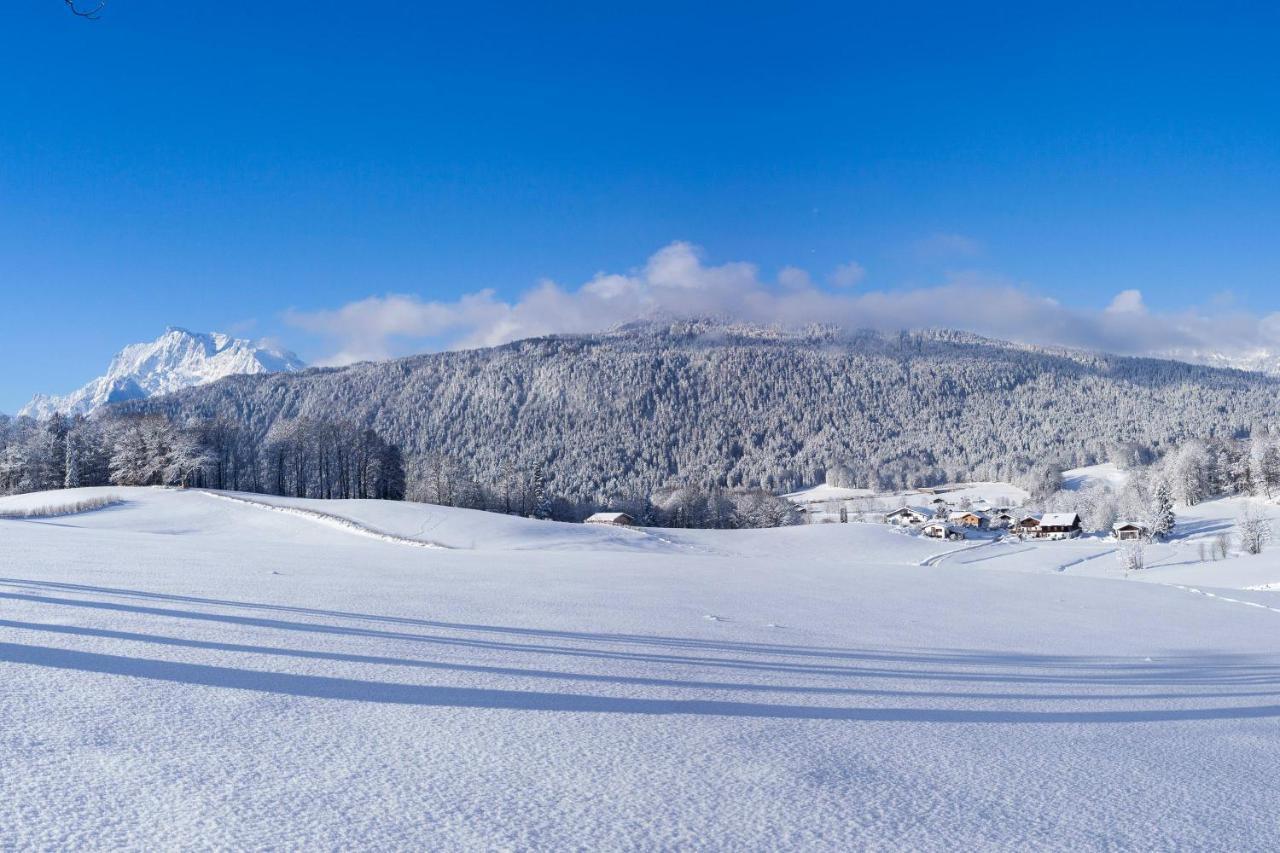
[
  {"x": 182, "y": 671},
  {"x": 177, "y": 359},
  {"x": 1107, "y": 473}
]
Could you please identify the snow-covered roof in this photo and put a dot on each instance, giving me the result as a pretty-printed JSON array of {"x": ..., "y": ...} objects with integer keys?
[
  {"x": 612, "y": 517},
  {"x": 915, "y": 510},
  {"x": 1059, "y": 519},
  {"x": 1137, "y": 524},
  {"x": 961, "y": 513}
]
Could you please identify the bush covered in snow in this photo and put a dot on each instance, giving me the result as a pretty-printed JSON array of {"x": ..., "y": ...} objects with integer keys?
[{"x": 55, "y": 510}]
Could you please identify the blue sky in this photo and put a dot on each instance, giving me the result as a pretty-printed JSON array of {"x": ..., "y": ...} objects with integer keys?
[{"x": 318, "y": 174}]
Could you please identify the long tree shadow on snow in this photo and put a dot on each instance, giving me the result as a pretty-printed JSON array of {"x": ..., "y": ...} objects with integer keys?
[
  {"x": 321, "y": 687},
  {"x": 953, "y": 658},
  {"x": 881, "y": 675},
  {"x": 599, "y": 678},
  {"x": 1008, "y": 668}
]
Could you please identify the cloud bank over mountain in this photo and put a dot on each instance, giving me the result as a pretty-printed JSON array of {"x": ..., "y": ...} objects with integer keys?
[{"x": 677, "y": 281}]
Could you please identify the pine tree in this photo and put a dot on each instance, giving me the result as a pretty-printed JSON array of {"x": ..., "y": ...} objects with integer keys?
[
  {"x": 72, "y": 480},
  {"x": 1162, "y": 517},
  {"x": 1259, "y": 475},
  {"x": 541, "y": 500}
]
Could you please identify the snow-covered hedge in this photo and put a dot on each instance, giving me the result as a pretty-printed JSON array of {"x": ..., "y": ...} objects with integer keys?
[{"x": 55, "y": 510}]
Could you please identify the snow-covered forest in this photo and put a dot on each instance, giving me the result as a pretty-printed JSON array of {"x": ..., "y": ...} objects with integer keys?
[
  {"x": 303, "y": 458},
  {"x": 685, "y": 424},
  {"x": 622, "y": 414}
]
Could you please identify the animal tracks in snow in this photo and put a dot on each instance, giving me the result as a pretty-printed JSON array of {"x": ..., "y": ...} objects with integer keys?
[{"x": 1197, "y": 591}]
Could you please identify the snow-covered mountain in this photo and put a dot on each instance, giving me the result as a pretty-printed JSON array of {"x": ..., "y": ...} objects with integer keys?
[
  {"x": 175, "y": 360},
  {"x": 1259, "y": 360}
]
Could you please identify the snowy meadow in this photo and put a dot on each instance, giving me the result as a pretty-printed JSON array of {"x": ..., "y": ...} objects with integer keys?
[{"x": 275, "y": 672}]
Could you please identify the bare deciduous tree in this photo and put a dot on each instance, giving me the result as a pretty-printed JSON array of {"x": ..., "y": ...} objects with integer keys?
[
  {"x": 1133, "y": 556},
  {"x": 1255, "y": 530}
]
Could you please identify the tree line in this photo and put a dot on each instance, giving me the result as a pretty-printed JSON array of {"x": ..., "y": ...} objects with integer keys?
[
  {"x": 327, "y": 459},
  {"x": 304, "y": 458}
]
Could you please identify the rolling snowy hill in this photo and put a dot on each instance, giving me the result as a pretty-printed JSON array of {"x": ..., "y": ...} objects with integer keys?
[
  {"x": 301, "y": 674},
  {"x": 177, "y": 359}
]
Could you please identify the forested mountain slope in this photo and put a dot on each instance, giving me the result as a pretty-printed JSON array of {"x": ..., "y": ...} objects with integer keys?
[{"x": 621, "y": 413}]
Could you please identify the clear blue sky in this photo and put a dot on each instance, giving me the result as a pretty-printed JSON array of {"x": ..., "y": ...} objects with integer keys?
[{"x": 212, "y": 165}]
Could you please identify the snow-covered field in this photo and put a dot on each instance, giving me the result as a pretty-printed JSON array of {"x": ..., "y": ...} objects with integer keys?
[{"x": 186, "y": 671}]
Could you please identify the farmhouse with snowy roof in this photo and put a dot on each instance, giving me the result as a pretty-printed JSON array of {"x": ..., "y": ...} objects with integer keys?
[
  {"x": 1130, "y": 531},
  {"x": 941, "y": 530},
  {"x": 908, "y": 515},
  {"x": 963, "y": 518},
  {"x": 1028, "y": 525},
  {"x": 1060, "y": 525},
  {"x": 617, "y": 519}
]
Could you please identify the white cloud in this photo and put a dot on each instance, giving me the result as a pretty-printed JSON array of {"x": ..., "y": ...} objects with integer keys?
[
  {"x": 794, "y": 278},
  {"x": 847, "y": 275},
  {"x": 676, "y": 281},
  {"x": 1127, "y": 301}
]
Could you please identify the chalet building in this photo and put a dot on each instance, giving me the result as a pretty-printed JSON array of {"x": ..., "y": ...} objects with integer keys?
[
  {"x": 1003, "y": 520},
  {"x": 1130, "y": 531},
  {"x": 1059, "y": 525},
  {"x": 941, "y": 530},
  {"x": 616, "y": 519},
  {"x": 1027, "y": 526},
  {"x": 908, "y": 515},
  {"x": 962, "y": 518}
]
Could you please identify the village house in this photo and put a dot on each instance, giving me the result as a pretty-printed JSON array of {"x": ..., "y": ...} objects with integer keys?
[
  {"x": 1002, "y": 520},
  {"x": 941, "y": 530},
  {"x": 1059, "y": 525},
  {"x": 907, "y": 515},
  {"x": 617, "y": 519},
  {"x": 1027, "y": 526},
  {"x": 963, "y": 518},
  {"x": 1130, "y": 531}
]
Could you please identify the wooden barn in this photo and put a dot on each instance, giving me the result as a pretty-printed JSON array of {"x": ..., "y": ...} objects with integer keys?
[
  {"x": 617, "y": 519},
  {"x": 1130, "y": 531}
]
